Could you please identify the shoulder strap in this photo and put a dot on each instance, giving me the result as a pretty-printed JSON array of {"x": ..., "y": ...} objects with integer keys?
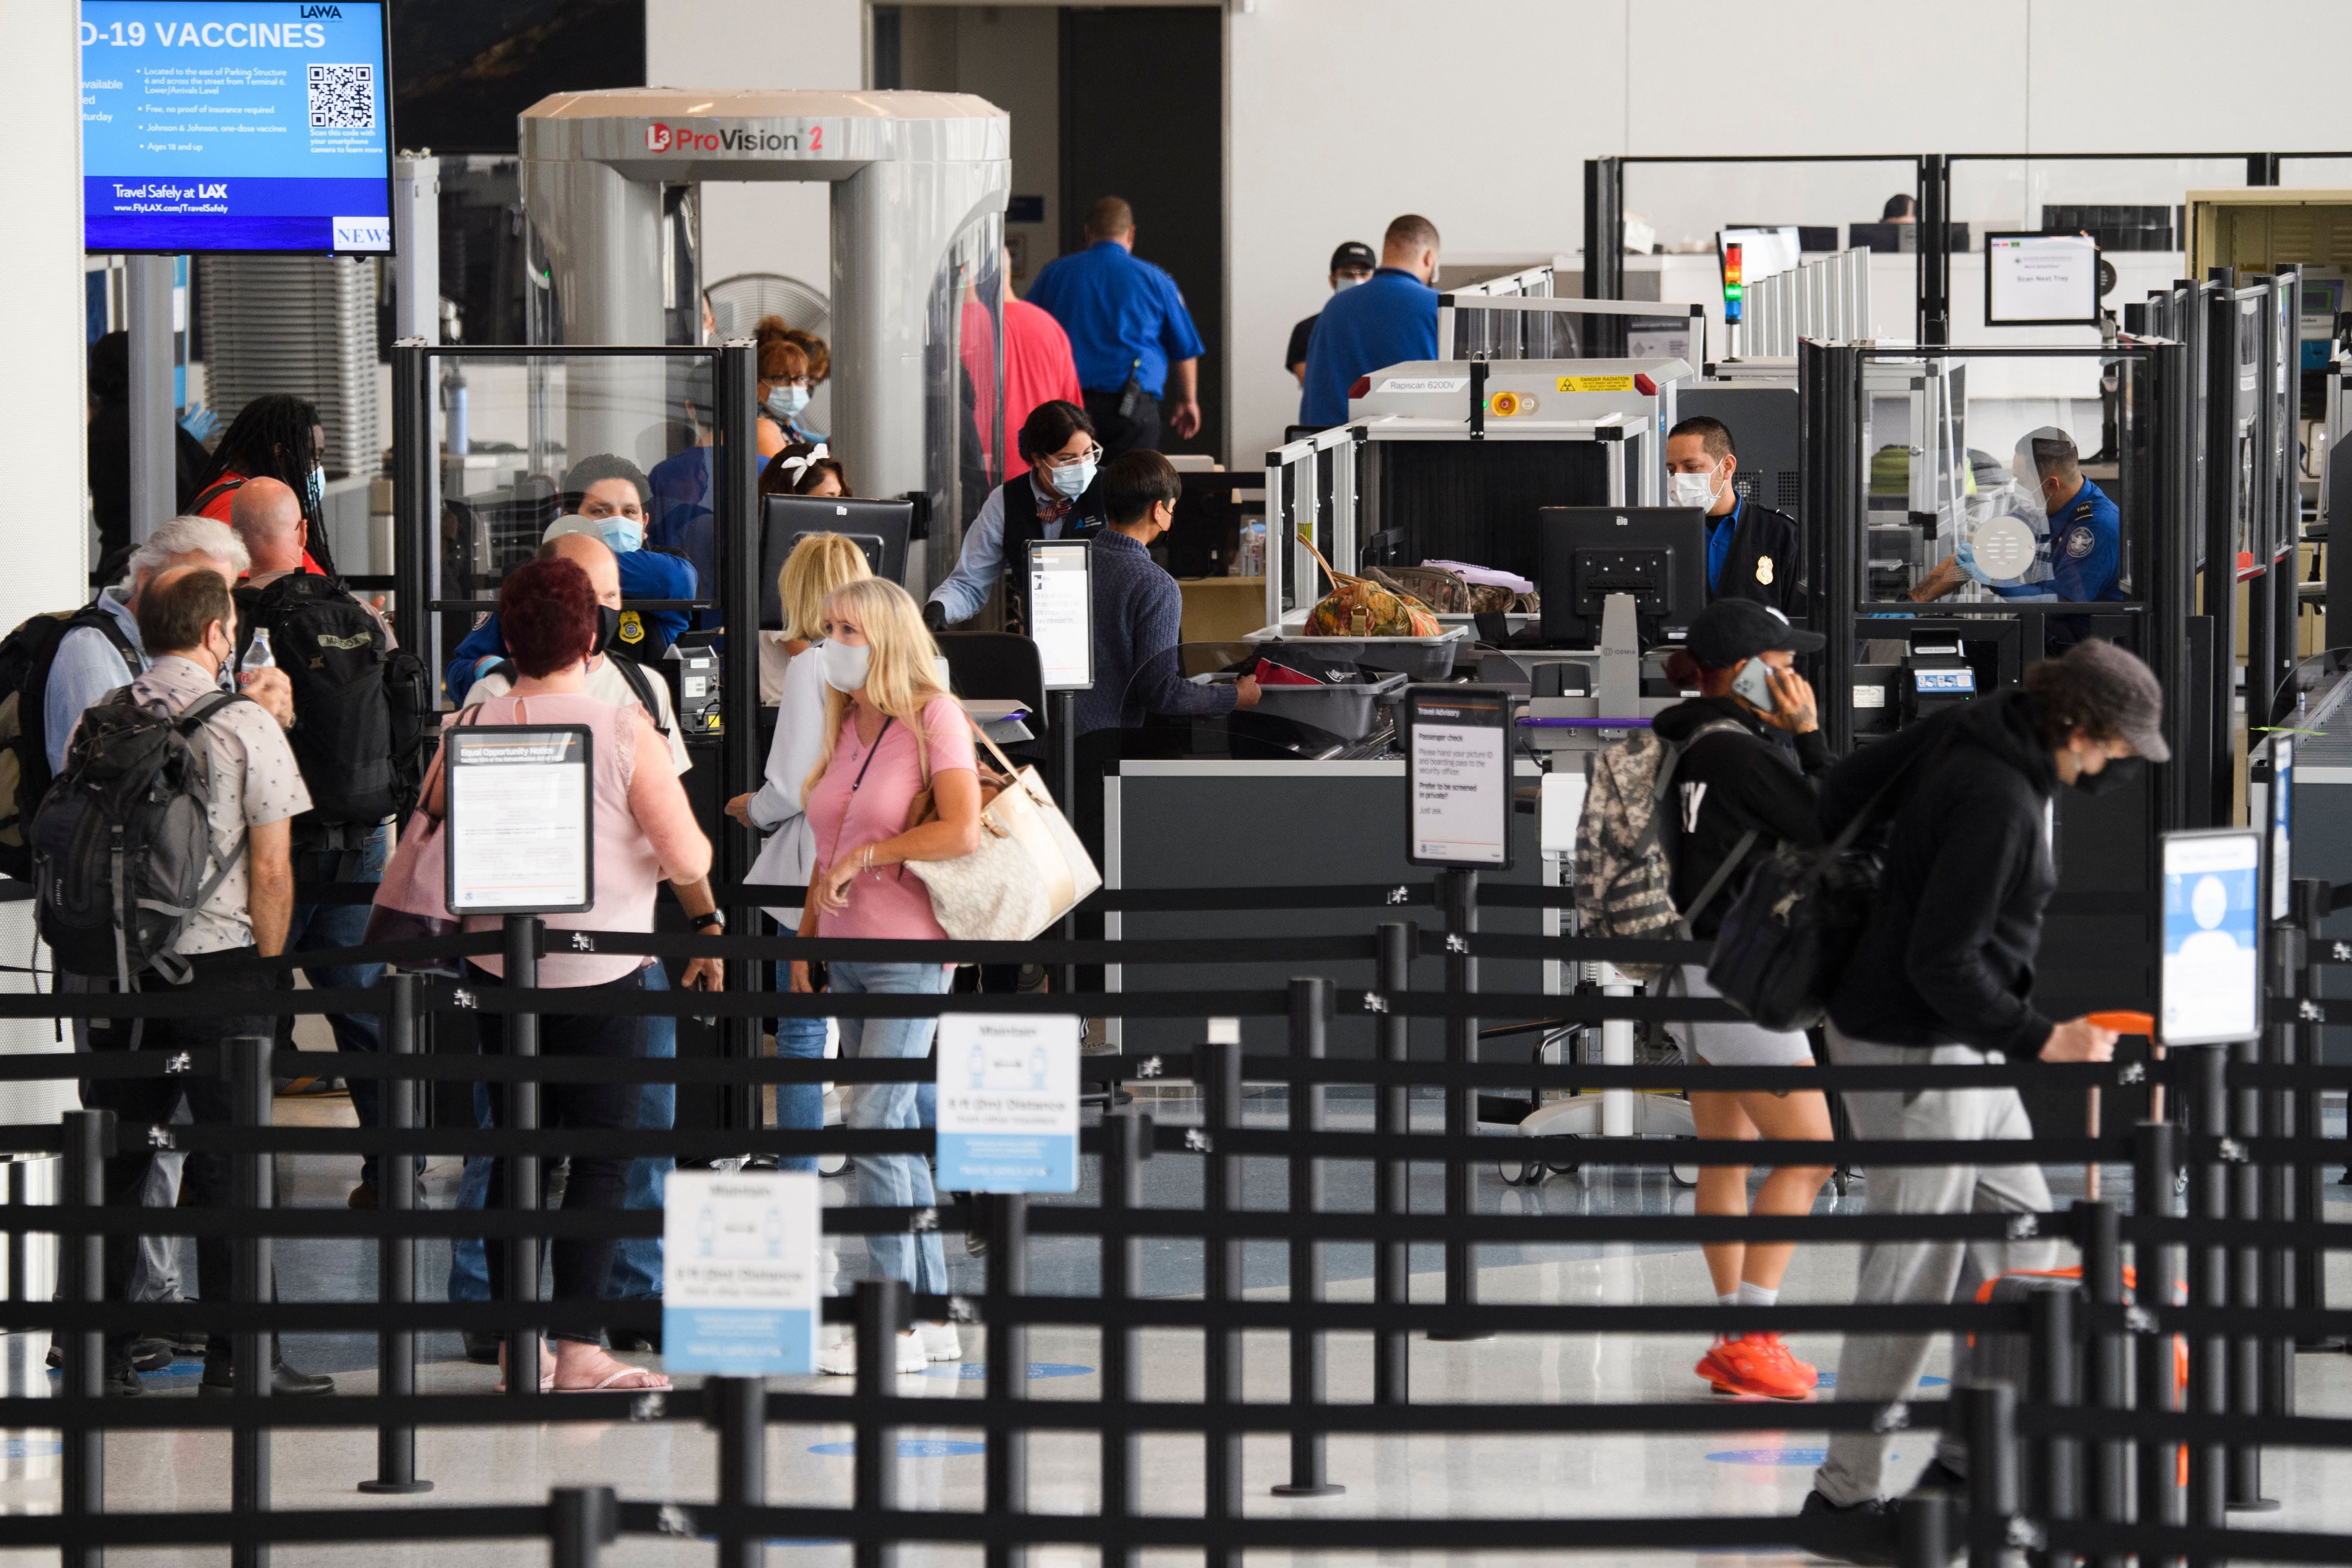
[
  {"x": 1714, "y": 883},
  {"x": 212, "y": 493},
  {"x": 1674, "y": 750},
  {"x": 641, "y": 682}
]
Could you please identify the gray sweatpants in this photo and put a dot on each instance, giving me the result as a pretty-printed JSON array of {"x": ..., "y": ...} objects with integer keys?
[{"x": 1882, "y": 1367}]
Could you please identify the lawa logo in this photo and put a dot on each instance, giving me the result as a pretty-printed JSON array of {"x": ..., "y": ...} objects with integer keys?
[
  {"x": 363, "y": 233},
  {"x": 333, "y": 10},
  {"x": 658, "y": 138}
]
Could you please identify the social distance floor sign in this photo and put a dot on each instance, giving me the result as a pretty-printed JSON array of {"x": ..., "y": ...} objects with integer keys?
[
  {"x": 738, "y": 1272},
  {"x": 1008, "y": 1103}
]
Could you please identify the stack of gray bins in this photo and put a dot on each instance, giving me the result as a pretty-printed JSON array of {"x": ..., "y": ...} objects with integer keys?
[{"x": 298, "y": 324}]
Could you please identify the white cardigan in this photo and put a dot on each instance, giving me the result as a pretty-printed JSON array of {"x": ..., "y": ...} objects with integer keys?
[{"x": 788, "y": 854}]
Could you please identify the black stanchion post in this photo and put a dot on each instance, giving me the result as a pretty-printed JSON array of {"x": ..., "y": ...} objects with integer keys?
[
  {"x": 81, "y": 1276},
  {"x": 1989, "y": 1414},
  {"x": 2157, "y": 1382},
  {"x": 396, "y": 1352},
  {"x": 737, "y": 1407},
  {"x": 2311, "y": 900},
  {"x": 2248, "y": 1349},
  {"x": 1925, "y": 1527},
  {"x": 1310, "y": 1008},
  {"x": 1126, "y": 1143},
  {"x": 1459, "y": 893},
  {"x": 2110, "y": 1388},
  {"x": 1392, "y": 1180},
  {"x": 1221, "y": 1347},
  {"x": 252, "y": 1093},
  {"x": 1007, "y": 1459},
  {"x": 2206, "y": 1101},
  {"x": 883, "y": 1311},
  {"x": 1062, "y": 709},
  {"x": 17, "y": 1199},
  {"x": 2052, "y": 1479},
  {"x": 581, "y": 1522},
  {"x": 523, "y": 1195}
]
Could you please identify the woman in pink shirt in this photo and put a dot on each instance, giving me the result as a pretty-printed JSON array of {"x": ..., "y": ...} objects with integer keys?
[{"x": 888, "y": 729}]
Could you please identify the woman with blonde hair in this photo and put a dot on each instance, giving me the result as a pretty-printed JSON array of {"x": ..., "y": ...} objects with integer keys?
[
  {"x": 818, "y": 564},
  {"x": 889, "y": 732}
]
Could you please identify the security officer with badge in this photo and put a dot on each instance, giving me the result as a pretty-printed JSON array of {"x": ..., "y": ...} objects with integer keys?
[
  {"x": 2076, "y": 537},
  {"x": 1751, "y": 550}
]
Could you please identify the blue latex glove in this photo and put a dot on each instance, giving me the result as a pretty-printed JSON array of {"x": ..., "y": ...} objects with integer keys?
[{"x": 199, "y": 421}]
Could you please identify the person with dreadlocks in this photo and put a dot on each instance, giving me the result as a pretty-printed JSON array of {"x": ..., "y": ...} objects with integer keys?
[{"x": 277, "y": 437}]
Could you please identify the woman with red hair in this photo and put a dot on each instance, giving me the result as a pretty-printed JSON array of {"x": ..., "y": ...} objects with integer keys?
[{"x": 645, "y": 834}]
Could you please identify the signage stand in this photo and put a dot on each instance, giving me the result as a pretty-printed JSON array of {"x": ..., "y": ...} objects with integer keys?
[{"x": 1062, "y": 624}]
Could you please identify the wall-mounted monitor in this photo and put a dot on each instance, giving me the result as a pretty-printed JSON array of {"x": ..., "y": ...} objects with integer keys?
[
  {"x": 236, "y": 125},
  {"x": 2042, "y": 281}
]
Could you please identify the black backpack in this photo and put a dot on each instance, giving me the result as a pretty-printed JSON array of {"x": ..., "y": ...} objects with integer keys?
[
  {"x": 120, "y": 841},
  {"x": 361, "y": 708},
  {"x": 26, "y": 655}
]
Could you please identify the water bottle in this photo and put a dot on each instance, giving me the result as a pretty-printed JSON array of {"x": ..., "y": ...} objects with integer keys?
[{"x": 256, "y": 655}]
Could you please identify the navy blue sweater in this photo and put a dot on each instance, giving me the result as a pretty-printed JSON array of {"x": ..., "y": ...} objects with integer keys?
[{"x": 1138, "y": 619}]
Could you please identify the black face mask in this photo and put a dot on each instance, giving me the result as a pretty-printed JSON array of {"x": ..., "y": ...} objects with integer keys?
[
  {"x": 608, "y": 626},
  {"x": 2121, "y": 773}
]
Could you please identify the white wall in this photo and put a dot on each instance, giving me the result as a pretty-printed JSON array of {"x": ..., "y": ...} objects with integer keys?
[{"x": 41, "y": 398}]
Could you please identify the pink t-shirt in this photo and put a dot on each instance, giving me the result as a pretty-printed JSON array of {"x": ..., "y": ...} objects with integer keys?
[{"x": 893, "y": 902}]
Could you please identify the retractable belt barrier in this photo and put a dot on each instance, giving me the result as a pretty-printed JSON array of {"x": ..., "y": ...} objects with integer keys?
[{"x": 2086, "y": 1462}]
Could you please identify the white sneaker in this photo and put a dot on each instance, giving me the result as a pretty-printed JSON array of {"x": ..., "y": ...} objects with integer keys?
[
  {"x": 941, "y": 1342},
  {"x": 840, "y": 1358}
]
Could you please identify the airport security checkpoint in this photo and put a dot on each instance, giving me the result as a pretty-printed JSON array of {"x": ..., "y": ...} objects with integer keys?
[{"x": 989, "y": 937}]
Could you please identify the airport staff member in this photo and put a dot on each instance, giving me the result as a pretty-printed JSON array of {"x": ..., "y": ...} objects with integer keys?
[
  {"x": 1751, "y": 550},
  {"x": 1351, "y": 263},
  {"x": 2077, "y": 538},
  {"x": 1389, "y": 321},
  {"x": 1130, "y": 331},
  {"x": 1056, "y": 496}
]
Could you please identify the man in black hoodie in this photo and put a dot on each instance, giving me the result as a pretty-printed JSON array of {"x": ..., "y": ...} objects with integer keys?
[{"x": 1944, "y": 976}]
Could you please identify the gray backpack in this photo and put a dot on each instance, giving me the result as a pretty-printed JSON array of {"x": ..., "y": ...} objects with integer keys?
[
  {"x": 1624, "y": 856},
  {"x": 120, "y": 841}
]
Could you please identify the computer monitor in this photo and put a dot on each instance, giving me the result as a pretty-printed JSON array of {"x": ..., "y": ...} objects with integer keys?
[
  {"x": 2042, "y": 281},
  {"x": 880, "y": 528},
  {"x": 1656, "y": 553}
]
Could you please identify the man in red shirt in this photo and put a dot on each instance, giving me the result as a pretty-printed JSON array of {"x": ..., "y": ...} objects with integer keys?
[{"x": 1038, "y": 368}]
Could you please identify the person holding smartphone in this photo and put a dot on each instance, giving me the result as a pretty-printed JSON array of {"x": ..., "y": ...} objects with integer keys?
[{"x": 1739, "y": 792}]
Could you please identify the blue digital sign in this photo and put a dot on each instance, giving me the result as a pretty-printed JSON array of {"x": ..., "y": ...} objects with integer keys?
[{"x": 226, "y": 125}]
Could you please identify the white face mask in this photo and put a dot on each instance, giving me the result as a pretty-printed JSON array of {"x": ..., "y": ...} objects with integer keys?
[
  {"x": 1347, "y": 280},
  {"x": 1691, "y": 490},
  {"x": 844, "y": 667}
]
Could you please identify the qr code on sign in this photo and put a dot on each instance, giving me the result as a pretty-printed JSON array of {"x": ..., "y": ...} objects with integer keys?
[{"x": 343, "y": 98}]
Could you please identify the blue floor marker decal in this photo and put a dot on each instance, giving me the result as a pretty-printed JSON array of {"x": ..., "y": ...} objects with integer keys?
[
  {"x": 1829, "y": 1380},
  {"x": 1775, "y": 1456},
  {"x": 973, "y": 1371},
  {"x": 910, "y": 1449}
]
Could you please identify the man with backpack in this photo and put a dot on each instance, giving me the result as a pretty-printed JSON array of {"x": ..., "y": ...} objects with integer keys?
[
  {"x": 360, "y": 723},
  {"x": 1942, "y": 975},
  {"x": 163, "y": 862}
]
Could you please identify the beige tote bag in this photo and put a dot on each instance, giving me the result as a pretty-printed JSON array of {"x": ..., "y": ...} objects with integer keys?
[{"x": 1029, "y": 871}]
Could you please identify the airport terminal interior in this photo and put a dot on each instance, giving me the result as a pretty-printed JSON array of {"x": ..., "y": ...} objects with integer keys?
[{"x": 1110, "y": 783}]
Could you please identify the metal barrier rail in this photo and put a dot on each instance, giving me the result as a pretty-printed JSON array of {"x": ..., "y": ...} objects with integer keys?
[{"x": 2090, "y": 1357}]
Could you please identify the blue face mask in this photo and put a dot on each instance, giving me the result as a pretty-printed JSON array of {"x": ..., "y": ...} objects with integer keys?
[
  {"x": 1073, "y": 480},
  {"x": 783, "y": 401},
  {"x": 623, "y": 534}
]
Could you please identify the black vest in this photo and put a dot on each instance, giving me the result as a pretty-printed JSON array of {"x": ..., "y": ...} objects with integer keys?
[{"x": 1020, "y": 525}]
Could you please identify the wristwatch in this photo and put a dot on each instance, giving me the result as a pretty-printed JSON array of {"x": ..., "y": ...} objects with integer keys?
[{"x": 716, "y": 919}]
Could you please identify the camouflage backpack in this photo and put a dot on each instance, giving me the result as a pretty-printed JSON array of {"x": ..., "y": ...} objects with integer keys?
[{"x": 1625, "y": 867}]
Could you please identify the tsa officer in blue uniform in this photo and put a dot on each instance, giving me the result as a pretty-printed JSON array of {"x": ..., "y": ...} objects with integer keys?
[
  {"x": 1129, "y": 332},
  {"x": 2077, "y": 538},
  {"x": 1393, "y": 320}
]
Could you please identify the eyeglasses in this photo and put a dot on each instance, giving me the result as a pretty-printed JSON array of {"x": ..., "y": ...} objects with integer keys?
[{"x": 1091, "y": 455}]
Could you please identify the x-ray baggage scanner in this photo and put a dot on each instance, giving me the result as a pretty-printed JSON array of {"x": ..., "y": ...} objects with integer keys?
[{"x": 918, "y": 191}]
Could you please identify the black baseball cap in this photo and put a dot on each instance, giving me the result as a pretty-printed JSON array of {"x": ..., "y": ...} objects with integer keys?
[
  {"x": 1353, "y": 254},
  {"x": 1732, "y": 630}
]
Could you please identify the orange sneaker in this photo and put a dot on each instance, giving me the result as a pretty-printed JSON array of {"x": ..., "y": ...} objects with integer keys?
[
  {"x": 1804, "y": 1368},
  {"x": 1756, "y": 1366}
]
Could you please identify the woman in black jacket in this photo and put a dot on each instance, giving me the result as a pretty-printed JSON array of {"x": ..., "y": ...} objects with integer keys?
[
  {"x": 1943, "y": 975},
  {"x": 1737, "y": 791}
]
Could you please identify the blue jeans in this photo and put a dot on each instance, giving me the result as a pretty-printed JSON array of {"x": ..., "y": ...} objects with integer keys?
[
  {"x": 638, "y": 1260},
  {"x": 317, "y": 928},
  {"x": 896, "y": 1181},
  {"x": 469, "y": 1271},
  {"x": 800, "y": 1107}
]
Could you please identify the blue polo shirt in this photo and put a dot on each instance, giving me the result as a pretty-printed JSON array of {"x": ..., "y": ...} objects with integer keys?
[
  {"x": 1719, "y": 531},
  {"x": 1122, "y": 315},
  {"x": 2082, "y": 548},
  {"x": 1388, "y": 321}
]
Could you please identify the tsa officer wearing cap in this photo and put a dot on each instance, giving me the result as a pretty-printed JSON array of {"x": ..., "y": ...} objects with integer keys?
[
  {"x": 1129, "y": 332},
  {"x": 1351, "y": 263},
  {"x": 1751, "y": 550}
]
